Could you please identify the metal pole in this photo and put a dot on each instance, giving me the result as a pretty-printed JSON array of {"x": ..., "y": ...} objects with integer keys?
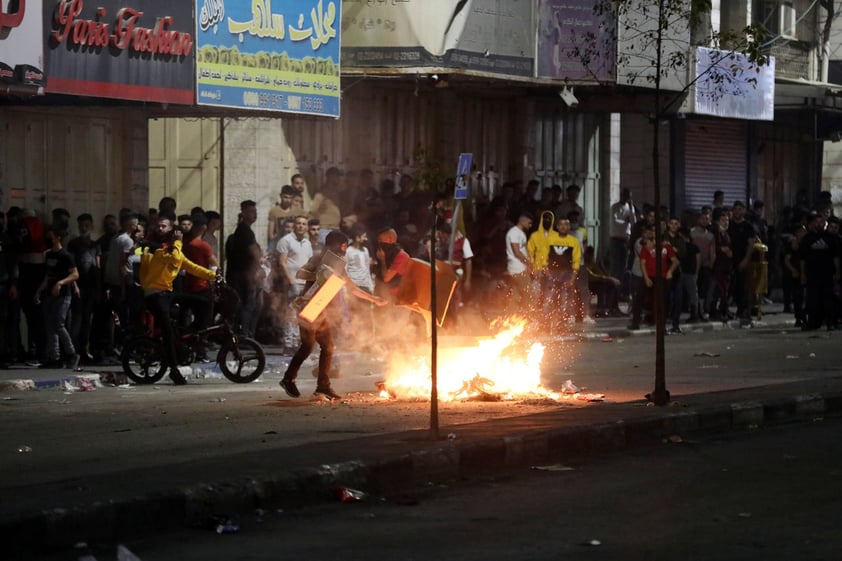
[
  {"x": 434, "y": 390},
  {"x": 453, "y": 223},
  {"x": 660, "y": 395}
]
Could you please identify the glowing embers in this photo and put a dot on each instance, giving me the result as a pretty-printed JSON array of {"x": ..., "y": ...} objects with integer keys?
[{"x": 494, "y": 367}]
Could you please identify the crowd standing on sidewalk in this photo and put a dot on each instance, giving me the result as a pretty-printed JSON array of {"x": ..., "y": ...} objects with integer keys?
[{"x": 520, "y": 250}]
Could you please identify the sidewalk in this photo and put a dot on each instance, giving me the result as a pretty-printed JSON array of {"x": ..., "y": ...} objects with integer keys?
[{"x": 23, "y": 378}]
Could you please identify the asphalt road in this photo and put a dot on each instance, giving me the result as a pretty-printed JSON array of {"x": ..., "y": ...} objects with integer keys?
[
  {"x": 764, "y": 495},
  {"x": 105, "y": 431}
]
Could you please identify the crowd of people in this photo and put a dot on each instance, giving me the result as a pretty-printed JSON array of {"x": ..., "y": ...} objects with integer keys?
[{"x": 523, "y": 251}]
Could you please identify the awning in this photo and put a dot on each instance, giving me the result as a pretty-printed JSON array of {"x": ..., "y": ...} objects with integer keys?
[{"x": 787, "y": 90}]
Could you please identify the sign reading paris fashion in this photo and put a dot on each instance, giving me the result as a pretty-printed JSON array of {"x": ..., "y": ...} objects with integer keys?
[
  {"x": 128, "y": 49},
  {"x": 281, "y": 56}
]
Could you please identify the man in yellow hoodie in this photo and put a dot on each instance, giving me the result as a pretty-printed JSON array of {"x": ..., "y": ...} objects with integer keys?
[
  {"x": 158, "y": 270},
  {"x": 556, "y": 257}
]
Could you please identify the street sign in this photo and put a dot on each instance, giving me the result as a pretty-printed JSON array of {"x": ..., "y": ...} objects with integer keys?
[{"x": 463, "y": 170}]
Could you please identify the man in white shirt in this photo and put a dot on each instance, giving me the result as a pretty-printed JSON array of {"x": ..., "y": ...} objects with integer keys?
[
  {"x": 358, "y": 260},
  {"x": 623, "y": 217},
  {"x": 117, "y": 271},
  {"x": 518, "y": 265},
  {"x": 294, "y": 251}
]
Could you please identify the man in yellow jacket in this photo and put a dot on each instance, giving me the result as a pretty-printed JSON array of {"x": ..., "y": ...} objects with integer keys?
[
  {"x": 158, "y": 270},
  {"x": 556, "y": 257}
]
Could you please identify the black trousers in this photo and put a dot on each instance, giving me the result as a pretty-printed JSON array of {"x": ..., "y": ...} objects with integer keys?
[
  {"x": 323, "y": 335},
  {"x": 160, "y": 304}
]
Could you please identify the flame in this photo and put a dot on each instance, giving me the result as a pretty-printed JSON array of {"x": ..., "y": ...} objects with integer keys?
[{"x": 497, "y": 365}]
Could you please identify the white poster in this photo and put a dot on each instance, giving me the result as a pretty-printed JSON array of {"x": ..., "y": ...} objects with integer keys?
[{"x": 729, "y": 85}]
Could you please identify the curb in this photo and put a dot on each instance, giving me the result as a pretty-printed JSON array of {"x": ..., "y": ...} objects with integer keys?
[
  {"x": 420, "y": 462},
  {"x": 75, "y": 380}
]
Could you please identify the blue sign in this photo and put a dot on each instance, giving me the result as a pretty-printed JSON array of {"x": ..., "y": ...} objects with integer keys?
[
  {"x": 463, "y": 170},
  {"x": 281, "y": 57}
]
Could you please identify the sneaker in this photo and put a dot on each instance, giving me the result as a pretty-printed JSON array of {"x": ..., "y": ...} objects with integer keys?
[
  {"x": 634, "y": 326},
  {"x": 328, "y": 393},
  {"x": 73, "y": 362},
  {"x": 675, "y": 331},
  {"x": 290, "y": 387},
  {"x": 588, "y": 320}
]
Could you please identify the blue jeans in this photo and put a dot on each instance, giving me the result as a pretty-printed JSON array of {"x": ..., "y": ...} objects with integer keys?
[{"x": 57, "y": 337}]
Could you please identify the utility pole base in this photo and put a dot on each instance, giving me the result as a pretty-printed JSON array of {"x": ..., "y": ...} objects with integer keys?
[{"x": 659, "y": 397}]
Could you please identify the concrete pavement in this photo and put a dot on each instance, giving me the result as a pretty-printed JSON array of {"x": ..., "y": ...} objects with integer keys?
[
  {"x": 23, "y": 378},
  {"x": 162, "y": 494}
]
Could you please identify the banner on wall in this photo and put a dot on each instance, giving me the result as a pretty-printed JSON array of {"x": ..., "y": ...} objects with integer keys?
[
  {"x": 489, "y": 36},
  {"x": 573, "y": 42},
  {"x": 22, "y": 43},
  {"x": 281, "y": 56},
  {"x": 126, "y": 49},
  {"x": 729, "y": 85}
]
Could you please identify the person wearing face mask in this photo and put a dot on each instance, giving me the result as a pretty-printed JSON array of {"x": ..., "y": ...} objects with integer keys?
[
  {"x": 86, "y": 254},
  {"x": 158, "y": 270},
  {"x": 543, "y": 244},
  {"x": 54, "y": 292}
]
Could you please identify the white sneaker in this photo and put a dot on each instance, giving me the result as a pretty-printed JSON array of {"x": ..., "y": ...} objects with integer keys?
[{"x": 589, "y": 320}]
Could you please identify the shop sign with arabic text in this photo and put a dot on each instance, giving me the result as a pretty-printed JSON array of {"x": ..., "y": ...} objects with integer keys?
[{"x": 270, "y": 56}]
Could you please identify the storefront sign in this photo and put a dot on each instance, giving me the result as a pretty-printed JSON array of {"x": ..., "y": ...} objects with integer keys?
[
  {"x": 488, "y": 36},
  {"x": 729, "y": 85},
  {"x": 574, "y": 43},
  {"x": 21, "y": 43},
  {"x": 281, "y": 56},
  {"x": 130, "y": 49}
]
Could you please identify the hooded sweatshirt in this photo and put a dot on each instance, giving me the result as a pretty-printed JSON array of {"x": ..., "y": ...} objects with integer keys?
[{"x": 538, "y": 246}]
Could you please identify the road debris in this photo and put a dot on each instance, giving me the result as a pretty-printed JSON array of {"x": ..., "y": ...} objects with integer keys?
[
  {"x": 707, "y": 354},
  {"x": 125, "y": 554},
  {"x": 348, "y": 495},
  {"x": 569, "y": 387},
  {"x": 553, "y": 467},
  {"x": 223, "y": 524}
]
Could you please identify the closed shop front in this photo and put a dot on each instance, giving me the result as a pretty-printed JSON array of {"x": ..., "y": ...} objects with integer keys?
[{"x": 715, "y": 158}]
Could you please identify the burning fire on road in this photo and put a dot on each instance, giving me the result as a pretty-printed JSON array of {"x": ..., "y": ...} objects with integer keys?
[{"x": 495, "y": 367}]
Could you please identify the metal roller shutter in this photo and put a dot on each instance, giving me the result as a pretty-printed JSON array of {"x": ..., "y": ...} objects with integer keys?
[{"x": 715, "y": 159}]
